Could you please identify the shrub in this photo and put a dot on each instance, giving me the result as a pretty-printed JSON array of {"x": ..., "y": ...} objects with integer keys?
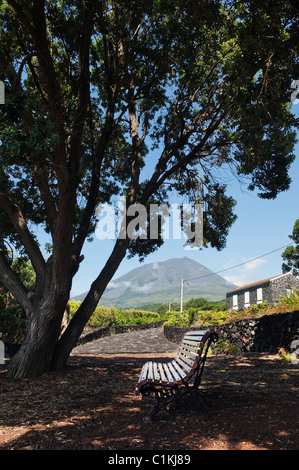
[
  {"x": 181, "y": 319},
  {"x": 225, "y": 347},
  {"x": 135, "y": 317},
  {"x": 211, "y": 317},
  {"x": 73, "y": 306},
  {"x": 13, "y": 324},
  {"x": 103, "y": 316}
]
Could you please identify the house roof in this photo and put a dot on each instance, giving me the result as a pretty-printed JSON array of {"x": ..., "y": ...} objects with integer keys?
[{"x": 269, "y": 279}]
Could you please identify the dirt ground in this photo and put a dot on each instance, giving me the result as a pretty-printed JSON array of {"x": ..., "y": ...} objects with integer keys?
[{"x": 253, "y": 399}]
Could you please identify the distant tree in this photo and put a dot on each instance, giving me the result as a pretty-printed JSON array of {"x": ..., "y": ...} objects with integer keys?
[
  {"x": 291, "y": 253},
  {"x": 197, "y": 303},
  {"x": 100, "y": 93}
]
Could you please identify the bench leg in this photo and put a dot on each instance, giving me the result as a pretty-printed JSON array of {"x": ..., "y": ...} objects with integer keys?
[
  {"x": 190, "y": 395},
  {"x": 158, "y": 405}
]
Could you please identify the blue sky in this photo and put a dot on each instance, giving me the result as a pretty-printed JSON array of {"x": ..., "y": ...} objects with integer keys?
[{"x": 261, "y": 227}]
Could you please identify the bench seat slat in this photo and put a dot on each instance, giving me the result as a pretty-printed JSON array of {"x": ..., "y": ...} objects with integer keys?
[
  {"x": 194, "y": 349},
  {"x": 157, "y": 378},
  {"x": 196, "y": 333},
  {"x": 193, "y": 344},
  {"x": 150, "y": 376},
  {"x": 197, "y": 339},
  {"x": 174, "y": 373},
  {"x": 163, "y": 377},
  {"x": 202, "y": 333},
  {"x": 191, "y": 354},
  {"x": 142, "y": 378},
  {"x": 183, "y": 364},
  {"x": 170, "y": 378},
  {"x": 188, "y": 360},
  {"x": 143, "y": 374},
  {"x": 188, "y": 370},
  {"x": 187, "y": 367},
  {"x": 183, "y": 374},
  {"x": 190, "y": 348}
]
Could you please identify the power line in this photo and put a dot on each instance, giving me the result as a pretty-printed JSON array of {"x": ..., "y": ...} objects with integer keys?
[{"x": 237, "y": 265}]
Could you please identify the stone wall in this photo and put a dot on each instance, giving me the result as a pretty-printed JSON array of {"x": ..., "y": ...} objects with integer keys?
[
  {"x": 263, "y": 334},
  {"x": 280, "y": 285},
  {"x": 100, "y": 332}
]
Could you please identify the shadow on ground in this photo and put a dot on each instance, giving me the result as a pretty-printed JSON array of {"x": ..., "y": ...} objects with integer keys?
[{"x": 253, "y": 400}]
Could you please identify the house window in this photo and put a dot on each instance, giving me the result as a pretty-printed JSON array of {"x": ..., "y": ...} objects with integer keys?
[
  {"x": 246, "y": 299},
  {"x": 259, "y": 295},
  {"x": 235, "y": 302}
]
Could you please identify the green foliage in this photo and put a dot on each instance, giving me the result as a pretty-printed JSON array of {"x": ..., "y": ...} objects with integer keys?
[
  {"x": 197, "y": 303},
  {"x": 181, "y": 319},
  {"x": 135, "y": 317},
  {"x": 291, "y": 253},
  {"x": 103, "y": 316},
  {"x": 204, "y": 304},
  {"x": 225, "y": 347},
  {"x": 210, "y": 317},
  {"x": 12, "y": 315},
  {"x": 12, "y": 324}
]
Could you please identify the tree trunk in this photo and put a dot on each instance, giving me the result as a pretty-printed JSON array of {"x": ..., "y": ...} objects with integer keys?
[
  {"x": 72, "y": 334},
  {"x": 48, "y": 345},
  {"x": 43, "y": 331}
]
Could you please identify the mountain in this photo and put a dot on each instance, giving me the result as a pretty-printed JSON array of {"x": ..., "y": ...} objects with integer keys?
[{"x": 161, "y": 282}]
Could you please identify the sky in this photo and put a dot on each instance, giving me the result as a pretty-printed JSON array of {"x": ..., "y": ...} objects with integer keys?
[{"x": 262, "y": 226}]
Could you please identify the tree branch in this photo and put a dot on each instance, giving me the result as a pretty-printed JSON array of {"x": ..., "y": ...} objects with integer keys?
[
  {"x": 42, "y": 183},
  {"x": 12, "y": 282},
  {"x": 83, "y": 80},
  {"x": 95, "y": 182},
  {"x": 31, "y": 246}
]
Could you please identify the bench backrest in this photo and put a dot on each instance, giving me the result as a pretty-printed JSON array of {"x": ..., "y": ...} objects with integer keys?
[{"x": 191, "y": 351}]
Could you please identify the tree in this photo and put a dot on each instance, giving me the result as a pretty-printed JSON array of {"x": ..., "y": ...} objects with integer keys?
[
  {"x": 291, "y": 253},
  {"x": 97, "y": 91}
]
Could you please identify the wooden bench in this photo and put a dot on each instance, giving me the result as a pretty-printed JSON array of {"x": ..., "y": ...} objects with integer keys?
[{"x": 171, "y": 381}]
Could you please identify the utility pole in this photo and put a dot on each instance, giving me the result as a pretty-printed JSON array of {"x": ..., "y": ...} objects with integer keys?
[
  {"x": 182, "y": 293},
  {"x": 182, "y": 289}
]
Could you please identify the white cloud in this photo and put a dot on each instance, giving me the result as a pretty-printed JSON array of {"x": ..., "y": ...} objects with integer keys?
[
  {"x": 142, "y": 289},
  {"x": 113, "y": 284},
  {"x": 244, "y": 274}
]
